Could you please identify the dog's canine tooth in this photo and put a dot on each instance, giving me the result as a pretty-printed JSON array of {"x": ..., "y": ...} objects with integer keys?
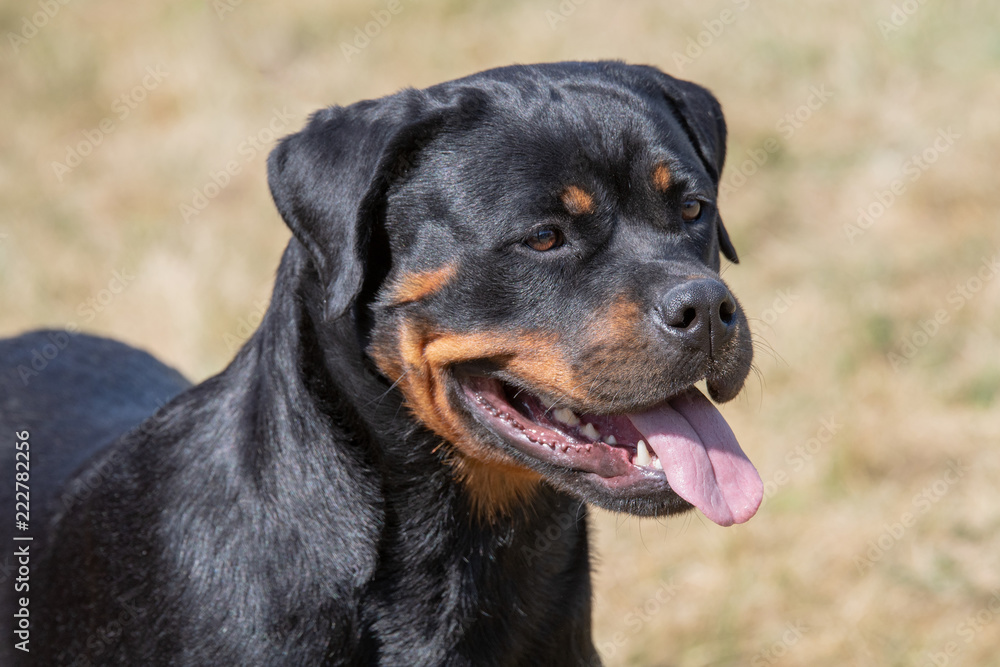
[
  {"x": 566, "y": 416},
  {"x": 642, "y": 457}
]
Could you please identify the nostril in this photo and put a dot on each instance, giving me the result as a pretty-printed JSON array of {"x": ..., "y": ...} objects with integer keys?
[
  {"x": 727, "y": 312},
  {"x": 700, "y": 312}
]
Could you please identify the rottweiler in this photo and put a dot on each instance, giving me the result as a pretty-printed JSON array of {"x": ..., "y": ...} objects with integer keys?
[{"x": 498, "y": 297}]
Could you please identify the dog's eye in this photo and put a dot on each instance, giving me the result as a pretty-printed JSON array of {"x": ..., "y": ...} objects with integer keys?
[
  {"x": 690, "y": 210},
  {"x": 547, "y": 238}
]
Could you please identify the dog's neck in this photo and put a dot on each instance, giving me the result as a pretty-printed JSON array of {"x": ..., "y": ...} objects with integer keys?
[{"x": 405, "y": 516}]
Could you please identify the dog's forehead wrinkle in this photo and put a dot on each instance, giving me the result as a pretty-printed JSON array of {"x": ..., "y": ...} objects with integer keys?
[
  {"x": 581, "y": 128},
  {"x": 622, "y": 176},
  {"x": 692, "y": 177},
  {"x": 508, "y": 169}
]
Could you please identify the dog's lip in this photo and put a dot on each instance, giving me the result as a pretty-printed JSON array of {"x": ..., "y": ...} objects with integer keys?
[
  {"x": 702, "y": 462},
  {"x": 541, "y": 435}
]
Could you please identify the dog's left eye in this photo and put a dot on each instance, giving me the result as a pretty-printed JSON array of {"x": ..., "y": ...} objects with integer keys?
[
  {"x": 547, "y": 238},
  {"x": 690, "y": 210}
]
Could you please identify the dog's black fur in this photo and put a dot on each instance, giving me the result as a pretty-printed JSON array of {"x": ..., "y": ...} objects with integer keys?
[{"x": 300, "y": 508}]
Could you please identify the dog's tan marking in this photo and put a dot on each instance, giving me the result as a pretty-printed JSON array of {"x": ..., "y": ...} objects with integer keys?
[
  {"x": 619, "y": 320},
  {"x": 419, "y": 359},
  {"x": 661, "y": 177},
  {"x": 416, "y": 286},
  {"x": 577, "y": 200}
]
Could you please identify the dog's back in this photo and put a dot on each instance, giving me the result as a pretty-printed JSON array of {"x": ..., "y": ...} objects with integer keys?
[{"x": 66, "y": 395}]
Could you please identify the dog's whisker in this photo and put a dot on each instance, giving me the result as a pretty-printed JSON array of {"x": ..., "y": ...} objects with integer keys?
[{"x": 388, "y": 391}]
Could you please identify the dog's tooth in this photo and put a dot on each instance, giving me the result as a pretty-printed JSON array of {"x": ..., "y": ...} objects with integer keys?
[
  {"x": 642, "y": 457},
  {"x": 611, "y": 440},
  {"x": 566, "y": 416},
  {"x": 591, "y": 432},
  {"x": 657, "y": 464}
]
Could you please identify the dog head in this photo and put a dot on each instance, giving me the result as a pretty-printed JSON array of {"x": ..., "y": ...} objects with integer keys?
[{"x": 532, "y": 255}]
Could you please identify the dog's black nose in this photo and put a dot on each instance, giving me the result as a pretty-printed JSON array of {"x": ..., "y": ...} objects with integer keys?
[{"x": 700, "y": 312}]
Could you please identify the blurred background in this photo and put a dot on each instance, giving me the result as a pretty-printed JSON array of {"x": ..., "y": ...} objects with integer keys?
[{"x": 861, "y": 193}]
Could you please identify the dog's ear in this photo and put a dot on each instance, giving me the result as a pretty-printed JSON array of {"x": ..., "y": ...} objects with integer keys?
[
  {"x": 701, "y": 116},
  {"x": 330, "y": 179}
]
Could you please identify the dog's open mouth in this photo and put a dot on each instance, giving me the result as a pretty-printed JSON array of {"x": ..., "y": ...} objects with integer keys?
[{"x": 684, "y": 440}]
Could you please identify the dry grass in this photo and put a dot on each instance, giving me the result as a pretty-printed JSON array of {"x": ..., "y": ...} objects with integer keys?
[{"x": 735, "y": 592}]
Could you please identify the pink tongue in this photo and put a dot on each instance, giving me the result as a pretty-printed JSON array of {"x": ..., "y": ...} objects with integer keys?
[{"x": 703, "y": 462}]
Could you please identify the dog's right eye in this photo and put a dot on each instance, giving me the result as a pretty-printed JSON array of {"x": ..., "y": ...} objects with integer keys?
[
  {"x": 546, "y": 238},
  {"x": 691, "y": 210}
]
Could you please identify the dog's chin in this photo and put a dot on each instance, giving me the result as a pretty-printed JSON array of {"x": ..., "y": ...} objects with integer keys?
[{"x": 614, "y": 460}]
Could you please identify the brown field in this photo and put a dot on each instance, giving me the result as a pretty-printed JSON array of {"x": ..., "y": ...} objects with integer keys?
[{"x": 874, "y": 415}]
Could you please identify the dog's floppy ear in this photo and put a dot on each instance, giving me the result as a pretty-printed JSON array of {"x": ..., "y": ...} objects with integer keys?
[
  {"x": 701, "y": 116},
  {"x": 329, "y": 180}
]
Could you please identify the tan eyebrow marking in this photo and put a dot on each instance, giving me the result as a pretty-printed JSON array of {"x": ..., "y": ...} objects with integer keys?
[
  {"x": 577, "y": 200},
  {"x": 661, "y": 177}
]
